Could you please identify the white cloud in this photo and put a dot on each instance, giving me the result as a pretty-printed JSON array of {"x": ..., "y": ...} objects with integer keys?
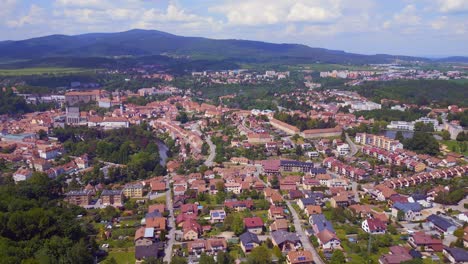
[
  {"x": 174, "y": 15},
  {"x": 405, "y": 20},
  {"x": 439, "y": 23},
  {"x": 7, "y": 7},
  {"x": 266, "y": 12},
  {"x": 453, "y": 6},
  {"x": 302, "y": 12},
  {"x": 35, "y": 15}
]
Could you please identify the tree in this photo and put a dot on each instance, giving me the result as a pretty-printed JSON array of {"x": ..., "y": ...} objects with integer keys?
[
  {"x": 445, "y": 135},
  {"x": 111, "y": 261},
  {"x": 182, "y": 117},
  {"x": 422, "y": 143},
  {"x": 462, "y": 136},
  {"x": 337, "y": 257},
  {"x": 223, "y": 258},
  {"x": 274, "y": 182},
  {"x": 205, "y": 259},
  {"x": 238, "y": 225},
  {"x": 42, "y": 134},
  {"x": 399, "y": 136},
  {"x": 259, "y": 255},
  {"x": 400, "y": 215},
  {"x": 178, "y": 260}
]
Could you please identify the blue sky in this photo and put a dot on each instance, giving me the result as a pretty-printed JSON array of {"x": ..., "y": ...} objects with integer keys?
[{"x": 407, "y": 27}]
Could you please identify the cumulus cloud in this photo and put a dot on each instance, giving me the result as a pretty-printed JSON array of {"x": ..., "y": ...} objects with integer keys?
[
  {"x": 35, "y": 15},
  {"x": 406, "y": 19},
  {"x": 453, "y": 6},
  {"x": 265, "y": 12}
]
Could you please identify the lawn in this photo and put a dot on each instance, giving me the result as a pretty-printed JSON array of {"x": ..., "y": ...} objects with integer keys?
[
  {"x": 455, "y": 146},
  {"x": 262, "y": 214},
  {"x": 122, "y": 257},
  {"x": 38, "y": 71}
]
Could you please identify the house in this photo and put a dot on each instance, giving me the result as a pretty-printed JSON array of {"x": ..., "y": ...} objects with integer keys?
[
  {"x": 22, "y": 174},
  {"x": 313, "y": 209},
  {"x": 276, "y": 212},
  {"x": 254, "y": 225},
  {"x": 209, "y": 246},
  {"x": 397, "y": 255},
  {"x": 191, "y": 229},
  {"x": 239, "y": 205},
  {"x": 411, "y": 211},
  {"x": 217, "y": 216},
  {"x": 189, "y": 209},
  {"x": 158, "y": 186},
  {"x": 328, "y": 240},
  {"x": 133, "y": 190},
  {"x": 156, "y": 222},
  {"x": 149, "y": 251},
  {"x": 279, "y": 224},
  {"x": 441, "y": 224},
  {"x": 286, "y": 241},
  {"x": 320, "y": 223},
  {"x": 179, "y": 190},
  {"x": 340, "y": 200},
  {"x": 248, "y": 241},
  {"x": 144, "y": 236},
  {"x": 374, "y": 226},
  {"x": 383, "y": 192},
  {"x": 426, "y": 242},
  {"x": 299, "y": 257},
  {"x": 233, "y": 187},
  {"x": 304, "y": 202},
  {"x": 456, "y": 255}
]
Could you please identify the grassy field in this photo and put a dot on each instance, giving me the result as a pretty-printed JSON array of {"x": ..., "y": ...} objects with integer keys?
[
  {"x": 122, "y": 257},
  {"x": 40, "y": 71},
  {"x": 455, "y": 146}
]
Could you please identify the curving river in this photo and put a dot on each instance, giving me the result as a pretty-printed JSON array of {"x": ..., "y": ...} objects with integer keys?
[{"x": 163, "y": 149}]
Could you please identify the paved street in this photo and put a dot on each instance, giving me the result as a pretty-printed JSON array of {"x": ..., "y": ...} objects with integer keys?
[
  {"x": 211, "y": 156},
  {"x": 304, "y": 238},
  {"x": 352, "y": 146},
  {"x": 171, "y": 224}
]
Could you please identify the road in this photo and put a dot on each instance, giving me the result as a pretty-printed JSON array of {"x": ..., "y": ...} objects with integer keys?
[
  {"x": 352, "y": 146},
  {"x": 211, "y": 156},
  {"x": 171, "y": 223},
  {"x": 304, "y": 238},
  {"x": 297, "y": 225}
]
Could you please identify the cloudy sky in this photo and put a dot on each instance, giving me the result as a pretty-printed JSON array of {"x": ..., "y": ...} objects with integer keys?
[{"x": 408, "y": 27}]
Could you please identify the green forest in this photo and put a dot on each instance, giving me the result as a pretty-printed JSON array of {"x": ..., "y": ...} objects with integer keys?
[
  {"x": 135, "y": 147},
  {"x": 36, "y": 226},
  {"x": 421, "y": 92}
]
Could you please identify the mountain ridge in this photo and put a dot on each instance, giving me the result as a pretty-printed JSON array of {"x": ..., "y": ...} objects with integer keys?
[{"x": 140, "y": 42}]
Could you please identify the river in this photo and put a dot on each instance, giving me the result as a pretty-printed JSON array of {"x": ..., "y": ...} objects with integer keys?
[{"x": 163, "y": 149}]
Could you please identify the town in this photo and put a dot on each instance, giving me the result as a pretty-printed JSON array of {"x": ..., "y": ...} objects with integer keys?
[{"x": 167, "y": 173}]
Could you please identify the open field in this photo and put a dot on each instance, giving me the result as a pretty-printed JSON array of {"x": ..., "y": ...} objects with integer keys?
[
  {"x": 122, "y": 257},
  {"x": 40, "y": 71}
]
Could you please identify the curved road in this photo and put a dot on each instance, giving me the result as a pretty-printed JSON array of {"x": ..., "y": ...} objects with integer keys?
[
  {"x": 352, "y": 146},
  {"x": 211, "y": 156}
]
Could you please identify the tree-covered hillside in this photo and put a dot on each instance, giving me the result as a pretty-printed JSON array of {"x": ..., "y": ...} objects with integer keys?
[
  {"x": 36, "y": 226},
  {"x": 421, "y": 92}
]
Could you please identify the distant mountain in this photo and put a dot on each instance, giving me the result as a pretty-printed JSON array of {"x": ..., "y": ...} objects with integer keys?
[
  {"x": 454, "y": 59},
  {"x": 138, "y": 43}
]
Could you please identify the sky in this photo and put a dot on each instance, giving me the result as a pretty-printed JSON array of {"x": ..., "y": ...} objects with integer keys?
[{"x": 399, "y": 27}]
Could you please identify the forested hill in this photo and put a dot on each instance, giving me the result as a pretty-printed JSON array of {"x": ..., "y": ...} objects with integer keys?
[{"x": 151, "y": 42}]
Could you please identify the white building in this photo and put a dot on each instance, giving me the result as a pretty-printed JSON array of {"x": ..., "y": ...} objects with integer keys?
[
  {"x": 343, "y": 149},
  {"x": 401, "y": 125}
]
